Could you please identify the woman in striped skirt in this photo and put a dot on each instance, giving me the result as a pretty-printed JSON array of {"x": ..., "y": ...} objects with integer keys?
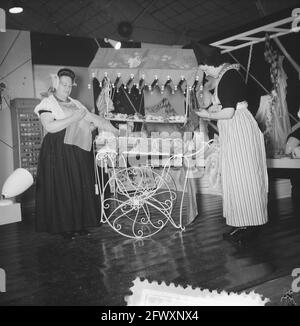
[{"x": 243, "y": 158}]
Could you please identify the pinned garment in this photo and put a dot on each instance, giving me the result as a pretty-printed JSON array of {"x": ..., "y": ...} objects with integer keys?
[{"x": 78, "y": 133}]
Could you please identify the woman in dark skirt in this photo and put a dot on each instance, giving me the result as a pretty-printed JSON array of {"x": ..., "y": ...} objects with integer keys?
[
  {"x": 66, "y": 202},
  {"x": 293, "y": 149},
  {"x": 243, "y": 166}
]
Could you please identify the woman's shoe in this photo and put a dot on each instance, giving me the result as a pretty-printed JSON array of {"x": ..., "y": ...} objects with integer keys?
[{"x": 235, "y": 233}]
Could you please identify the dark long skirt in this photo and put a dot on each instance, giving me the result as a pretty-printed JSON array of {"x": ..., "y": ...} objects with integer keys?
[{"x": 65, "y": 187}]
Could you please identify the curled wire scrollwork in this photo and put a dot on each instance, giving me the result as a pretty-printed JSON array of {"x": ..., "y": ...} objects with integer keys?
[{"x": 142, "y": 199}]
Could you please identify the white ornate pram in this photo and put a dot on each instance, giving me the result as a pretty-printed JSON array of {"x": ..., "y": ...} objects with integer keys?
[{"x": 138, "y": 200}]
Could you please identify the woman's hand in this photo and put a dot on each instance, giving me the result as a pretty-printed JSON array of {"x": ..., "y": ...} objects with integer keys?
[
  {"x": 291, "y": 144},
  {"x": 203, "y": 114},
  {"x": 296, "y": 152},
  {"x": 101, "y": 123},
  {"x": 205, "y": 100},
  {"x": 214, "y": 108}
]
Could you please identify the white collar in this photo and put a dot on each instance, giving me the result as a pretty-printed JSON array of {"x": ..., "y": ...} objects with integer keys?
[{"x": 235, "y": 66}]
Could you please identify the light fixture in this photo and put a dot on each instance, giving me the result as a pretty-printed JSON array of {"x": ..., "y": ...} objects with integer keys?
[
  {"x": 113, "y": 43},
  {"x": 19, "y": 181},
  {"x": 15, "y": 7}
]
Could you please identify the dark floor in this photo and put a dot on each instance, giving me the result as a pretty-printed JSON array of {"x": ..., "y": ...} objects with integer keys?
[{"x": 42, "y": 269}]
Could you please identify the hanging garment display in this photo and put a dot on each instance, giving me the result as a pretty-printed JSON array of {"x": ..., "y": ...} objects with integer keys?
[
  {"x": 156, "y": 73},
  {"x": 127, "y": 103},
  {"x": 273, "y": 114},
  {"x": 104, "y": 102},
  {"x": 282, "y": 104},
  {"x": 270, "y": 124}
]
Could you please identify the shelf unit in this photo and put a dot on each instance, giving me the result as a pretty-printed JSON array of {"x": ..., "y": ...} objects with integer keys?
[{"x": 27, "y": 134}]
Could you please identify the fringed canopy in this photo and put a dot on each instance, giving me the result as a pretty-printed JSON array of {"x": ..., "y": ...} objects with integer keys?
[{"x": 161, "y": 64}]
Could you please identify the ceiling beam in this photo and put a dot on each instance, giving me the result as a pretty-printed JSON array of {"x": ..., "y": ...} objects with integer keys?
[{"x": 250, "y": 38}]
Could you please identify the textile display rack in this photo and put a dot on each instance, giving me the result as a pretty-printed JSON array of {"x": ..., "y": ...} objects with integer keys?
[
  {"x": 163, "y": 79},
  {"x": 155, "y": 87}
]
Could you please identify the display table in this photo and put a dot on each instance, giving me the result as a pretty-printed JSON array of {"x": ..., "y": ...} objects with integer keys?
[
  {"x": 280, "y": 171},
  {"x": 283, "y": 163}
]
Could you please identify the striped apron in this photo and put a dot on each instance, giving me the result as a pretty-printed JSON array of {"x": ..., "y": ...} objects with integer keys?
[{"x": 243, "y": 169}]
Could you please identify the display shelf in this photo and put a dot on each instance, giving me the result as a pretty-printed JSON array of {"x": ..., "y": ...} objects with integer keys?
[
  {"x": 283, "y": 163},
  {"x": 27, "y": 134},
  {"x": 143, "y": 120}
]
